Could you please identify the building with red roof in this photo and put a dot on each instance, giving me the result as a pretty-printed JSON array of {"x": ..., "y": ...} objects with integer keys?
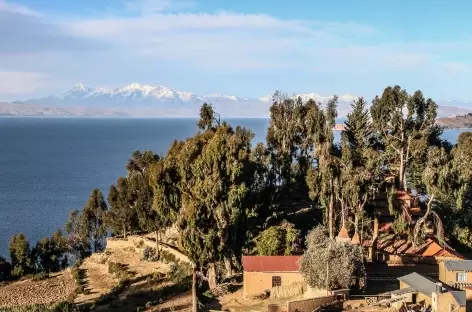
[{"x": 264, "y": 272}]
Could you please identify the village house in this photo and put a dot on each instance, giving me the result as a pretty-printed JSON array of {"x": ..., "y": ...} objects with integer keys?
[
  {"x": 265, "y": 272},
  {"x": 456, "y": 273},
  {"x": 418, "y": 289}
]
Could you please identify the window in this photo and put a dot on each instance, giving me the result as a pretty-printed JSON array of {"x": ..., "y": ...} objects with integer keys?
[
  {"x": 276, "y": 281},
  {"x": 461, "y": 277}
]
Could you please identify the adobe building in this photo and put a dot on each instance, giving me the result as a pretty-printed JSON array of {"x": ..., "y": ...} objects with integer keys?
[
  {"x": 456, "y": 273},
  {"x": 264, "y": 272},
  {"x": 418, "y": 289}
]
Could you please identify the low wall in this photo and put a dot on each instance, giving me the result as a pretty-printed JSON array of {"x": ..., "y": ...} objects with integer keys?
[{"x": 308, "y": 305}]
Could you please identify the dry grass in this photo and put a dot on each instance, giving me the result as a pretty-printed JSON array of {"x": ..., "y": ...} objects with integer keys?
[
  {"x": 59, "y": 287},
  {"x": 292, "y": 290}
]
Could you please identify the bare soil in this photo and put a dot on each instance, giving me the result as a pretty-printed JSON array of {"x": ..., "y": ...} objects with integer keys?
[{"x": 58, "y": 287}]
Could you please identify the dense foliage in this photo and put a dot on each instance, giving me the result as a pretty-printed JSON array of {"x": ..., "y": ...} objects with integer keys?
[
  {"x": 328, "y": 264},
  {"x": 225, "y": 197}
]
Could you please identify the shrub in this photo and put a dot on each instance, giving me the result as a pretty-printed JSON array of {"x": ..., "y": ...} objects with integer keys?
[
  {"x": 179, "y": 271},
  {"x": 5, "y": 270},
  {"x": 40, "y": 276},
  {"x": 277, "y": 240},
  {"x": 149, "y": 254},
  {"x": 139, "y": 244},
  {"x": 119, "y": 270},
  {"x": 168, "y": 257}
]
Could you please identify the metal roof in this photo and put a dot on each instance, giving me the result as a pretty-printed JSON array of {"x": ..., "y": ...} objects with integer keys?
[
  {"x": 459, "y": 296},
  {"x": 422, "y": 284},
  {"x": 458, "y": 265}
]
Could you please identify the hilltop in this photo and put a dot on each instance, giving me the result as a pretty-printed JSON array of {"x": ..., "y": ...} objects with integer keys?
[{"x": 458, "y": 122}]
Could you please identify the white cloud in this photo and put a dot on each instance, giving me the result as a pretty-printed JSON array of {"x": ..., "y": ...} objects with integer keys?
[{"x": 22, "y": 82}]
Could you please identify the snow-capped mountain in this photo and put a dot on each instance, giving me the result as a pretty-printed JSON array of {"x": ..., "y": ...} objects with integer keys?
[{"x": 161, "y": 101}]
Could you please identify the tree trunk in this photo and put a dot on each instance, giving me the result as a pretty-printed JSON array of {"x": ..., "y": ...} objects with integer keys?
[
  {"x": 157, "y": 244},
  {"x": 124, "y": 231},
  {"x": 356, "y": 223},
  {"x": 374, "y": 239},
  {"x": 194, "y": 288},
  {"x": 212, "y": 275},
  {"x": 330, "y": 217},
  {"x": 228, "y": 265},
  {"x": 401, "y": 173}
]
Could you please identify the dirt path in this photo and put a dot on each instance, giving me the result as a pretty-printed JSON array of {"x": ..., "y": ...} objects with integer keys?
[
  {"x": 58, "y": 287},
  {"x": 98, "y": 280}
]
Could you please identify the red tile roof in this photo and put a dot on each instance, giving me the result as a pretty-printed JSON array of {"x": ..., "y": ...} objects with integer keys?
[
  {"x": 343, "y": 235},
  {"x": 271, "y": 263}
]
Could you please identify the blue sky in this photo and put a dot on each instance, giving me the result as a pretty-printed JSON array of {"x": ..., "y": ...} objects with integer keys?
[{"x": 244, "y": 48}]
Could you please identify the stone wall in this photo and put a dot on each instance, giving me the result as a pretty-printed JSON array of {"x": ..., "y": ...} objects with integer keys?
[{"x": 308, "y": 305}]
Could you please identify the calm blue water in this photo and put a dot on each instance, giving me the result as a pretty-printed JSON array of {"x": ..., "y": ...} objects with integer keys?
[{"x": 48, "y": 166}]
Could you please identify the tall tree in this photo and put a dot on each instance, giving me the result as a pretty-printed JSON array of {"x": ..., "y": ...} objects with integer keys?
[
  {"x": 20, "y": 254},
  {"x": 439, "y": 180},
  {"x": 51, "y": 253},
  {"x": 360, "y": 161},
  {"x": 404, "y": 121},
  {"x": 122, "y": 216},
  {"x": 77, "y": 235},
  {"x": 289, "y": 143},
  {"x": 324, "y": 179},
  {"x": 208, "y": 117},
  {"x": 93, "y": 219},
  {"x": 139, "y": 173}
]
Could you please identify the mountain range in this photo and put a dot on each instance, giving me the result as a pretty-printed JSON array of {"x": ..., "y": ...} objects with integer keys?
[{"x": 136, "y": 100}]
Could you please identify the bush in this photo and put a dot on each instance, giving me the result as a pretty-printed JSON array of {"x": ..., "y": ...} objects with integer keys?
[
  {"x": 179, "y": 271},
  {"x": 119, "y": 270},
  {"x": 150, "y": 254},
  {"x": 277, "y": 240},
  {"x": 5, "y": 270},
  {"x": 168, "y": 257},
  {"x": 40, "y": 276},
  {"x": 139, "y": 244}
]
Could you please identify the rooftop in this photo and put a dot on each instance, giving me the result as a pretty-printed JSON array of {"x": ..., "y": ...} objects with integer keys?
[
  {"x": 420, "y": 283},
  {"x": 458, "y": 265},
  {"x": 271, "y": 263}
]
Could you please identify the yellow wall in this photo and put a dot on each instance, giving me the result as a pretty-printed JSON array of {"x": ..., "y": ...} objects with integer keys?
[
  {"x": 447, "y": 303},
  {"x": 419, "y": 297},
  {"x": 450, "y": 277},
  {"x": 257, "y": 282}
]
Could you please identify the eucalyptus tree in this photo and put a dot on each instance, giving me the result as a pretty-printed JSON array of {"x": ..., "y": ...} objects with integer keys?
[
  {"x": 93, "y": 219},
  {"x": 20, "y": 254},
  {"x": 360, "y": 161},
  {"x": 122, "y": 215},
  {"x": 323, "y": 179},
  {"x": 213, "y": 171},
  {"x": 289, "y": 144},
  {"x": 405, "y": 122},
  {"x": 439, "y": 178}
]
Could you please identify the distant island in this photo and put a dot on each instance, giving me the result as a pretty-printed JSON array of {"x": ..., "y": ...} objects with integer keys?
[{"x": 458, "y": 122}]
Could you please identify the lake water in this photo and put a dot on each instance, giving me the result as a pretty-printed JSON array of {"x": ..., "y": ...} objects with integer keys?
[{"x": 48, "y": 166}]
